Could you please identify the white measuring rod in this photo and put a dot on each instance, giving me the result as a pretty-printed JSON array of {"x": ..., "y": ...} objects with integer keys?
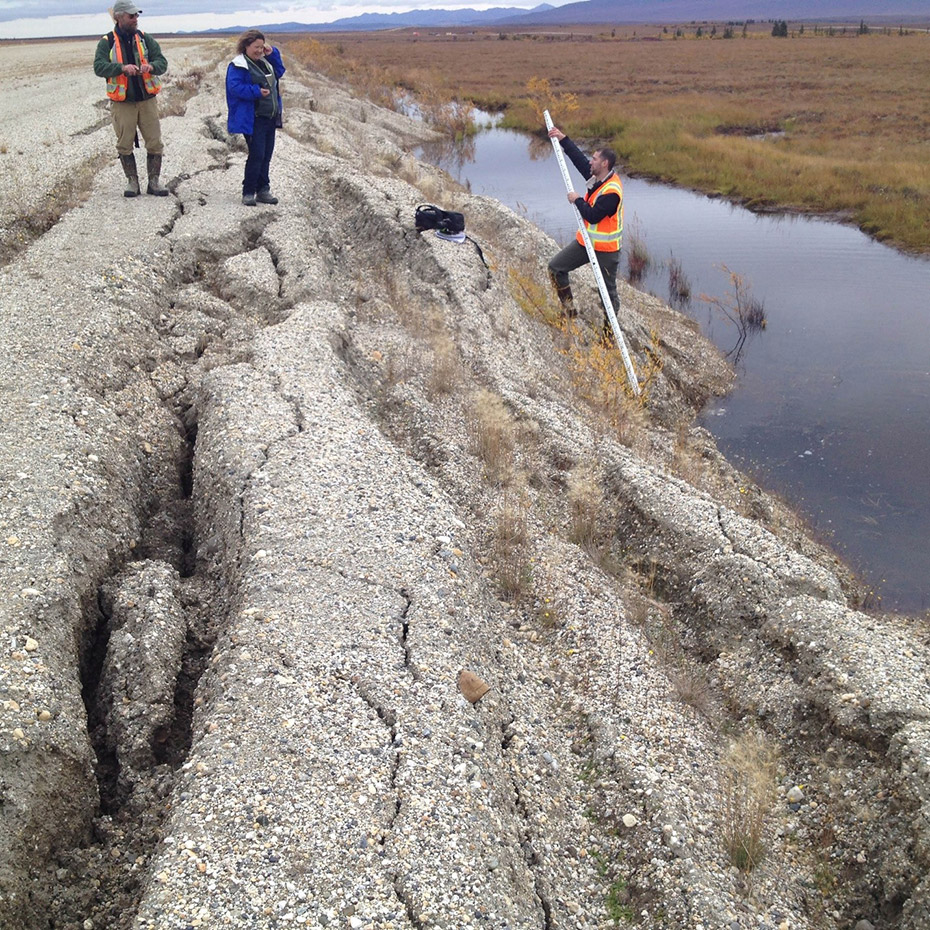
[{"x": 598, "y": 276}]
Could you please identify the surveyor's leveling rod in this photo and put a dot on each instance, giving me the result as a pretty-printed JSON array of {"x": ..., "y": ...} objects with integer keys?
[{"x": 592, "y": 258}]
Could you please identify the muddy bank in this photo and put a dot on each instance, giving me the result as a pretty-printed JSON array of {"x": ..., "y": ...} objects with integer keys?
[{"x": 273, "y": 478}]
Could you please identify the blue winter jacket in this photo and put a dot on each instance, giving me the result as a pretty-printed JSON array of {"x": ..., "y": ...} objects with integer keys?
[{"x": 242, "y": 92}]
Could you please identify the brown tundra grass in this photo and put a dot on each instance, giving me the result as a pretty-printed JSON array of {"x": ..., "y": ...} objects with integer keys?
[
  {"x": 510, "y": 545},
  {"x": 493, "y": 434},
  {"x": 638, "y": 259},
  {"x": 814, "y": 122},
  {"x": 679, "y": 285},
  {"x": 748, "y": 794},
  {"x": 585, "y": 501}
]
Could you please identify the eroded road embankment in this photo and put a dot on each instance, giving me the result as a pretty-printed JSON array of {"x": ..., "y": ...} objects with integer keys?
[{"x": 253, "y": 529}]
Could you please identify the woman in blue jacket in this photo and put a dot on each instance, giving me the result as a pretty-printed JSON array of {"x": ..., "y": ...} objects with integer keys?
[{"x": 254, "y": 103}]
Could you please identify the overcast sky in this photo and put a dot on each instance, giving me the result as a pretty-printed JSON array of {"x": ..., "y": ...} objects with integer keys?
[{"x": 20, "y": 19}]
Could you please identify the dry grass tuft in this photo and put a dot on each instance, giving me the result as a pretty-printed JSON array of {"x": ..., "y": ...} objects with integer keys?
[
  {"x": 535, "y": 298},
  {"x": 431, "y": 187},
  {"x": 691, "y": 685},
  {"x": 748, "y": 794},
  {"x": 638, "y": 259},
  {"x": 679, "y": 286},
  {"x": 643, "y": 576},
  {"x": 739, "y": 307},
  {"x": 398, "y": 366},
  {"x": 600, "y": 379},
  {"x": 585, "y": 502},
  {"x": 510, "y": 545},
  {"x": 446, "y": 371},
  {"x": 597, "y": 370},
  {"x": 493, "y": 434},
  {"x": 425, "y": 179}
]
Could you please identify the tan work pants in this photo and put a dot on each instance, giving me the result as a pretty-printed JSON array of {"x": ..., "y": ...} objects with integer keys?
[{"x": 129, "y": 116}]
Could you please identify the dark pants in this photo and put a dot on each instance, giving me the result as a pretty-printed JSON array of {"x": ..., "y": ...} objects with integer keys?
[
  {"x": 574, "y": 256},
  {"x": 261, "y": 148}
]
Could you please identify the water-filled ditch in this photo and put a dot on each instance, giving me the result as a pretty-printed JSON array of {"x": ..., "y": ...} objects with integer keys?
[{"x": 832, "y": 405}]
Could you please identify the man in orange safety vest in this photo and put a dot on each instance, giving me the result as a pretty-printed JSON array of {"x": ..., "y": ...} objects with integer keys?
[
  {"x": 132, "y": 63},
  {"x": 601, "y": 209}
]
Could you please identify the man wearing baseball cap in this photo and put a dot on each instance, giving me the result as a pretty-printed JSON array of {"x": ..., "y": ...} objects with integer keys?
[{"x": 132, "y": 63}]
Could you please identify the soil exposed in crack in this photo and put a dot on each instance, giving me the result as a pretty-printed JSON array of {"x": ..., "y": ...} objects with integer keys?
[{"x": 102, "y": 881}]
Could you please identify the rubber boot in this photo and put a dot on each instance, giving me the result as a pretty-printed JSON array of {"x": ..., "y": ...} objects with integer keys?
[
  {"x": 153, "y": 167},
  {"x": 567, "y": 301},
  {"x": 132, "y": 175},
  {"x": 564, "y": 293}
]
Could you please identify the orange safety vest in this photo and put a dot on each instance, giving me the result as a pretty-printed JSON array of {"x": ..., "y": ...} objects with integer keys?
[
  {"x": 607, "y": 235},
  {"x": 118, "y": 84}
]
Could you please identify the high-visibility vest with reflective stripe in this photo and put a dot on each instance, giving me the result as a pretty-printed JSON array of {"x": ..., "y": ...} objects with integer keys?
[
  {"x": 118, "y": 84},
  {"x": 607, "y": 235}
]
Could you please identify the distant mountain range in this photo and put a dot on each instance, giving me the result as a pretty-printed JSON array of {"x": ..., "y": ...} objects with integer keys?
[
  {"x": 623, "y": 11},
  {"x": 426, "y": 19},
  {"x": 437, "y": 18}
]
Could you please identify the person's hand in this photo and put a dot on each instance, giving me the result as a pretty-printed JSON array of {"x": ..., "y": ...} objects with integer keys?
[
  {"x": 267, "y": 50},
  {"x": 264, "y": 91},
  {"x": 131, "y": 70},
  {"x": 572, "y": 196},
  {"x": 556, "y": 133},
  {"x": 145, "y": 69}
]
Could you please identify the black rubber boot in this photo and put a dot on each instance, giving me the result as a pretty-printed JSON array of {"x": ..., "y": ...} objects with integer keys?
[
  {"x": 153, "y": 168},
  {"x": 567, "y": 301},
  {"x": 564, "y": 293},
  {"x": 132, "y": 175}
]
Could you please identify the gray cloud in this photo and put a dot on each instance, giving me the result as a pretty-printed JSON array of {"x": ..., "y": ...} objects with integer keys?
[
  {"x": 304, "y": 10},
  {"x": 21, "y": 9}
]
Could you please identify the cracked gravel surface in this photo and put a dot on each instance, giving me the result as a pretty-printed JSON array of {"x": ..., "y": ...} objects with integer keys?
[{"x": 248, "y": 544}]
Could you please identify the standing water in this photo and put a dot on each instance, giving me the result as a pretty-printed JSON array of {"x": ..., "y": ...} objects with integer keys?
[{"x": 831, "y": 408}]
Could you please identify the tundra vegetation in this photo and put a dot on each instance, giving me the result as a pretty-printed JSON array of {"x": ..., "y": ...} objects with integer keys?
[{"x": 823, "y": 119}]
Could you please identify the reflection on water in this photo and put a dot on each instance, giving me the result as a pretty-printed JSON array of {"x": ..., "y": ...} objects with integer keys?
[
  {"x": 451, "y": 154},
  {"x": 832, "y": 406}
]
